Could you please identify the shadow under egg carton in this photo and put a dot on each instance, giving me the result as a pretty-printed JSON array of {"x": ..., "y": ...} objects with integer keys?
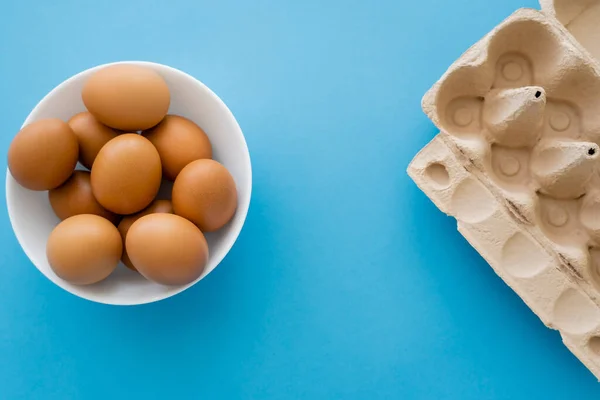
[{"x": 516, "y": 163}]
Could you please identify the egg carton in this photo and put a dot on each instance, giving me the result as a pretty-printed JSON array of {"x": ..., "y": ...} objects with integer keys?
[{"x": 516, "y": 163}]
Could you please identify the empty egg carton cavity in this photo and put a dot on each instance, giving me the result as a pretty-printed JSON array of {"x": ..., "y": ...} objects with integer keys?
[
  {"x": 561, "y": 120},
  {"x": 575, "y": 313},
  {"x": 513, "y": 70},
  {"x": 510, "y": 167},
  {"x": 438, "y": 175},
  {"x": 464, "y": 115},
  {"x": 594, "y": 344}
]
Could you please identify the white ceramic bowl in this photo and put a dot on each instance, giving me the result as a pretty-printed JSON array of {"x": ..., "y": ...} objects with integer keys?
[{"x": 32, "y": 217}]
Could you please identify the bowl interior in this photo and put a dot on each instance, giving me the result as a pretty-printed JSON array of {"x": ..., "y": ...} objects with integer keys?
[{"x": 32, "y": 217}]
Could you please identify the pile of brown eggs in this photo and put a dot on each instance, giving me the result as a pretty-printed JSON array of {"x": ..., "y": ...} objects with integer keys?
[{"x": 110, "y": 212}]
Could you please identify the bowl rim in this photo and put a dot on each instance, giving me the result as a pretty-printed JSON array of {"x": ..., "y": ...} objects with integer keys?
[{"x": 229, "y": 239}]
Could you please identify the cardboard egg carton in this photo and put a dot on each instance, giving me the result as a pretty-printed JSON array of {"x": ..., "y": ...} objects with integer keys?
[{"x": 516, "y": 163}]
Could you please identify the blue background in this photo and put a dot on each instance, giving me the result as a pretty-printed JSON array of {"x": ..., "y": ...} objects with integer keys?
[{"x": 335, "y": 288}]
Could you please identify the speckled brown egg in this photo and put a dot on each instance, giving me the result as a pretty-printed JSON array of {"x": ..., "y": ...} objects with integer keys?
[
  {"x": 157, "y": 206},
  {"x": 167, "y": 249},
  {"x": 91, "y": 136},
  {"x": 84, "y": 249},
  {"x": 75, "y": 197},
  {"x": 179, "y": 141},
  {"x": 204, "y": 192},
  {"x": 126, "y": 174},
  {"x": 127, "y": 97},
  {"x": 43, "y": 154}
]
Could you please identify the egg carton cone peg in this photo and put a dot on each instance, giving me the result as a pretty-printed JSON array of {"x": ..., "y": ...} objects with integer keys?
[
  {"x": 563, "y": 169},
  {"x": 514, "y": 117}
]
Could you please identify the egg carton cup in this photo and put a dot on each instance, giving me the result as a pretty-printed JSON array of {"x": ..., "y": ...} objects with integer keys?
[{"x": 517, "y": 164}]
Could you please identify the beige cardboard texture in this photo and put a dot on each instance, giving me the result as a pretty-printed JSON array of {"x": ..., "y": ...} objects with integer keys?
[
  {"x": 517, "y": 164},
  {"x": 581, "y": 18}
]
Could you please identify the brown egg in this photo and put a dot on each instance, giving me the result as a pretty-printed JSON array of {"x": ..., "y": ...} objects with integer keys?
[
  {"x": 75, "y": 197},
  {"x": 43, "y": 154},
  {"x": 167, "y": 249},
  {"x": 126, "y": 174},
  {"x": 179, "y": 141},
  {"x": 204, "y": 192},
  {"x": 127, "y": 97},
  {"x": 84, "y": 249},
  {"x": 157, "y": 206},
  {"x": 91, "y": 136}
]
